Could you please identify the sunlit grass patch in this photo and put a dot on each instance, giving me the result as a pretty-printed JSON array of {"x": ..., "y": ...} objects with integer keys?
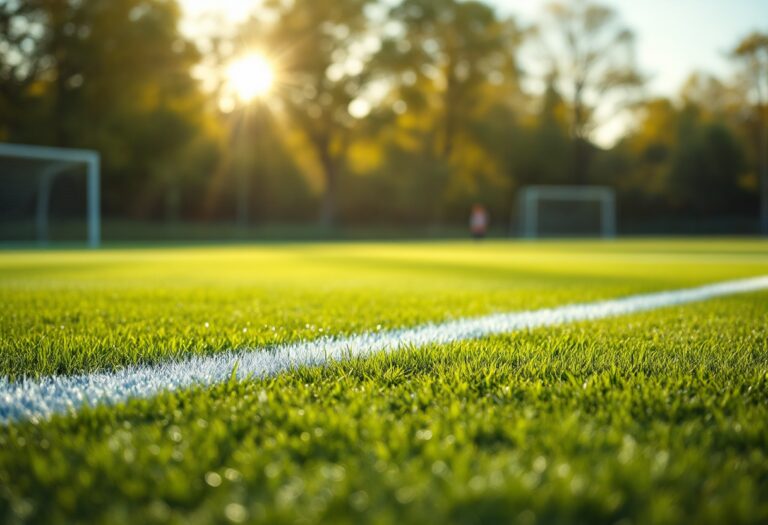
[
  {"x": 69, "y": 312},
  {"x": 655, "y": 417}
]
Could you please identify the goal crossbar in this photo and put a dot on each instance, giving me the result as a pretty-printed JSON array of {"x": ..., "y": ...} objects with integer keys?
[
  {"x": 531, "y": 196},
  {"x": 61, "y": 159}
]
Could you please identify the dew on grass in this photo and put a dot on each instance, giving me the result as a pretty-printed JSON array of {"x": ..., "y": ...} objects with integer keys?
[
  {"x": 213, "y": 479},
  {"x": 232, "y": 474},
  {"x": 424, "y": 435},
  {"x": 235, "y": 512}
]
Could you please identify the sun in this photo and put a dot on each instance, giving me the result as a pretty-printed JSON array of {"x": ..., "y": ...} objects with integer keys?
[{"x": 250, "y": 77}]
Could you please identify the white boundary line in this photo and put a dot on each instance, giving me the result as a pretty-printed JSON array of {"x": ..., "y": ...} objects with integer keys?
[{"x": 37, "y": 399}]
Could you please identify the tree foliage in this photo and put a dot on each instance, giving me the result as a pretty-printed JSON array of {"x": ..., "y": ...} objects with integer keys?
[
  {"x": 752, "y": 51},
  {"x": 320, "y": 47},
  {"x": 110, "y": 75},
  {"x": 592, "y": 54},
  {"x": 404, "y": 112}
]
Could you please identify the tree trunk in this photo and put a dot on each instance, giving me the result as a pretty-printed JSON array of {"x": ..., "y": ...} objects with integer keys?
[
  {"x": 328, "y": 206},
  {"x": 242, "y": 141},
  {"x": 61, "y": 107},
  {"x": 581, "y": 158},
  {"x": 172, "y": 204},
  {"x": 449, "y": 123},
  {"x": 243, "y": 197},
  {"x": 580, "y": 167},
  {"x": 763, "y": 173}
]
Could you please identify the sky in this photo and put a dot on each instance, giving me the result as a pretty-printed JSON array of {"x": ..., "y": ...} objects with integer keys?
[{"x": 674, "y": 37}]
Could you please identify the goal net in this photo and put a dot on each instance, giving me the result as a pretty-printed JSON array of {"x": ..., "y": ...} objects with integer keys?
[
  {"x": 567, "y": 211},
  {"x": 49, "y": 193}
]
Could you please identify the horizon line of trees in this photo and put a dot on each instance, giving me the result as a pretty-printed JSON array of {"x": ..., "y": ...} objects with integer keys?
[{"x": 404, "y": 113}]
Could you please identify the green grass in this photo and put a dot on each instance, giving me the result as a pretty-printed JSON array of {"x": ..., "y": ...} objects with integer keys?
[
  {"x": 654, "y": 418},
  {"x": 77, "y": 311}
]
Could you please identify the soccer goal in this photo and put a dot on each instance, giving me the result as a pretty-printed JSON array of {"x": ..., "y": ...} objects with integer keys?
[
  {"x": 28, "y": 174},
  {"x": 567, "y": 211}
]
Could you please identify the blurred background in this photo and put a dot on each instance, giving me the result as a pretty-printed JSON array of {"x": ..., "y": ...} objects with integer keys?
[{"x": 293, "y": 119}]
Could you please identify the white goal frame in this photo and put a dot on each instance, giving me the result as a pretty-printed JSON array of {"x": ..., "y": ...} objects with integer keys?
[
  {"x": 531, "y": 196},
  {"x": 59, "y": 160}
]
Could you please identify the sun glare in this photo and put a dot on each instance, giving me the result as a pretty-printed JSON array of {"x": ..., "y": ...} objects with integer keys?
[{"x": 250, "y": 77}]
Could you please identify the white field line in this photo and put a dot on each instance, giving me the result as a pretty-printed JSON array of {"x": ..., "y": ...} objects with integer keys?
[{"x": 34, "y": 399}]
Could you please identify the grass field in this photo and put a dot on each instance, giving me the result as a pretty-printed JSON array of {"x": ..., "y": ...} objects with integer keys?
[{"x": 656, "y": 417}]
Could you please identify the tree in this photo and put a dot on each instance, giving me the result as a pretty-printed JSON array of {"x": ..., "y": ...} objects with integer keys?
[
  {"x": 686, "y": 158},
  {"x": 320, "y": 51},
  {"x": 21, "y": 31},
  {"x": 547, "y": 149},
  {"x": 114, "y": 76},
  {"x": 651, "y": 145},
  {"x": 452, "y": 51},
  {"x": 752, "y": 51},
  {"x": 592, "y": 53},
  {"x": 706, "y": 170},
  {"x": 453, "y": 73}
]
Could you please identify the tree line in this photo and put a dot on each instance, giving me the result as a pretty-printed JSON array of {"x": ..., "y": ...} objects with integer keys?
[{"x": 381, "y": 113}]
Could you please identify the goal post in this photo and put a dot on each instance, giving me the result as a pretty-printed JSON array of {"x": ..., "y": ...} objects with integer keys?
[
  {"x": 532, "y": 197},
  {"x": 45, "y": 164}
]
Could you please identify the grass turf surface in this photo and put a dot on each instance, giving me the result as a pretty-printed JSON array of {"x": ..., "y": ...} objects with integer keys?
[
  {"x": 68, "y": 312},
  {"x": 655, "y": 417}
]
